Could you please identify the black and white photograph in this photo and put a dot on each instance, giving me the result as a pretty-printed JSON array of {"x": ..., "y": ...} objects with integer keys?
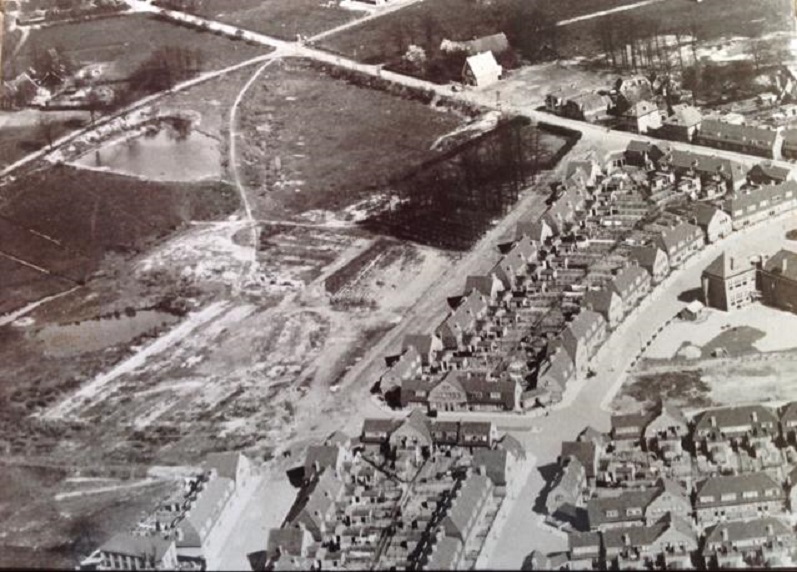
[{"x": 398, "y": 285}]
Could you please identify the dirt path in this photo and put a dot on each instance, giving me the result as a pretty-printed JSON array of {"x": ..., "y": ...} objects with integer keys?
[
  {"x": 607, "y": 12},
  {"x": 16, "y": 314},
  {"x": 108, "y": 489}
]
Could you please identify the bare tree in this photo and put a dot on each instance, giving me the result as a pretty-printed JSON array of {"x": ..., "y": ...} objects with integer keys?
[{"x": 45, "y": 129}]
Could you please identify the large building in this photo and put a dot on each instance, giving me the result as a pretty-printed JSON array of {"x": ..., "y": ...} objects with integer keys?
[
  {"x": 761, "y": 141},
  {"x": 778, "y": 279},
  {"x": 729, "y": 284}
]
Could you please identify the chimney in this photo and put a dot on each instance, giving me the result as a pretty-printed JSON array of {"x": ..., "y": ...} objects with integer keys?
[
  {"x": 725, "y": 534},
  {"x": 626, "y": 540},
  {"x": 770, "y": 530},
  {"x": 784, "y": 265},
  {"x": 755, "y": 417},
  {"x": 732, "y": 262},
  {"x": 713, "y": 421}
]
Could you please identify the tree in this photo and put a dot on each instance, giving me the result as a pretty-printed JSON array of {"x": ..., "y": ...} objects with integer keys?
[{"x": 45, "y": 129}]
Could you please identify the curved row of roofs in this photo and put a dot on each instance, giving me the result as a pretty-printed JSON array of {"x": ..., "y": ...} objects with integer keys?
[{"x": 521, "y": 331}]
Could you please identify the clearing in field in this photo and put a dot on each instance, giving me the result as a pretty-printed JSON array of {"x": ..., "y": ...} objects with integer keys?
[{"x": 284, "y": 19}]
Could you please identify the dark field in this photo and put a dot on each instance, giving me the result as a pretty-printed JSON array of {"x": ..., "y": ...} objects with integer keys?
[
  {"x": 280, "y": 18},
  {"x": 127, "y": 41},
  {"x": 67, "y": 220}
]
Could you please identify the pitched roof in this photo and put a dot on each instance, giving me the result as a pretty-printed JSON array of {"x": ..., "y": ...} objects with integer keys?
[
  {"x": 421, "y": 342},
  {"x": 734, "y": 416},
  {"x": 372, "y": 425},
  {"x": 418, "y": 421},
  {"x": 585, "y": 451},
  {"x": 705, "y": 213},
  {"x": 708, "y": 164},
  {"x": 773, "y": 170},
  {"x": 725, "y": 266},
  {"x": 646, "y": 255},
  {"x": 647, "y": 535},
  {"x": 737, "y": 484},
  {"x": 589, "y": 433},
  {"x": 641, "y": 108},
  {"x": 583, "y": 540},
  {"x": 559, "y": 370},
  {"x": 290, "y": 540},
  {"x": 784, "y": 262},
  {"x": 443, "y": 554},
  {"x": 789, "y": 411},
  {"x": 598, "y": 508},
  {"x": 496, "y": 43},
  {"x": 535, "y": 230},
  {"x": 636, "y": 421},
  {"x": 510, "y": 443},
  {"x": 683, "y": 232},
  {"x": 590, "y": 101},
  {"x": 466, "y": 501},
  {"x": 325, "y": 455},
  {"x": 628, "y": 277},
  {"x": 581, "y": 324},
  {"x": 206, "y": 509},
  {"x": 482, "y": 65},
  {"x": 741, "y": 134},
  {"x": 601, "y": 300},
  {"x": 494, "y": 462},
  {"x": 745, "y": 531},
  {"x": 137, "y": 546},
  {"x": 483, "y": 284},
  {"x": 684, "y": 115},
  {"x": 753, "y": 197}
]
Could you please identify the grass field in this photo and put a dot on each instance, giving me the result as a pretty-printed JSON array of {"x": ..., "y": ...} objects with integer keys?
[
  {"x": 313, "y": 142},
  {"x": 86, "y": 215},
  {"x": 709, "y": 19},
  {"x": 281, "y": 18},
  {"x": 129, "y": 40},
  {"x": 427, "y": 23},
  {"x": 23, "y": 135}
]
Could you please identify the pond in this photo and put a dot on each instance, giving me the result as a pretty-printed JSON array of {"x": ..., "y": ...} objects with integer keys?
[
  {"x": 161, "y": 157},
  {"x": 100, "y": 333}
]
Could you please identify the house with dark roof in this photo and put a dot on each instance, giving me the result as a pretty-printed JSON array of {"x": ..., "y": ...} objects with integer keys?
[
  {"x": 680, "y": 242},
  {"x": 314, "y": 506},
  {"x": 752, "y": 140},
  {"x": 757, "y": 204},
  {"x": 462, "y": 320},
  {"x": 607, "y": 302},
  {"x": 322, "y": 457},
  {"x": 628, "y": 429},
  {"x": 735, "y": 497},
  {"x": 444, "y": 553},
  {"x": 644, "y": 154},
  {"x": 666, "y": 430},
  {"x": 496, "y": 464},
  {"x": 789, "y": 147},
  {"x": 682, "y": 124},
  {"x": 567, "y": 487},
  {"x": 653, "y": 259},
  {"x": 428, "y": 346},
  {"x": 510, "y": 270},
  {"x": 770, "y": 173},
  {"x": 584, "y": 550},
  {"x": 199, "y": 533},
  {"x": 447, "y": 395},
  {"x": 670, "y": 540},
  {"x": 231, "y": 465},
  {"x": 638, "y": 507},
  {"x": 414, "y": 432},
  {"x": 128, "y": 551},
  {"x": 554, "y": 373},
  {"x": 742, "y": 424},
  {"x": 563, "y": 211},
  {"x": 587, "y": 107},
  {"x": 587, "y": 454},
  {"x": 488, "y": 285},
  {"x": 788, "y": 422},
  {"x": 712, "y": 170},
  {"x": 715, "y": 222},
  {"x": 631, "y": 284},
  {"x": 290, "y": 546},
  {"x": 728, "y": 283},
  {"x": 476, "y": 434},
  {"x": 538, "y": 231},
  {"x": 408, "y": 365},
  {"x": 778, "y": 277},
  {"x": 736, "y": 544},
  {"x": 480, "y": 393},
  {"x": 582, "y": 337},
  {"x": 377, "y": 431}
]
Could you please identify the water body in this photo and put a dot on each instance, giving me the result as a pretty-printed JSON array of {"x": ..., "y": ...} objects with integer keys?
[
  {"x": 100, "y": 333},
  {"x": 161, "y": 157}
]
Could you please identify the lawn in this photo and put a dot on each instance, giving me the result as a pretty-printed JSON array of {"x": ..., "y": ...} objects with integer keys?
[
  {"x": 86, "y": 215},
  {"x": 427, "y": 23},
  {"x": 314, "y": 142},
  {"x": 127, "y": 41},
  {"x": 281, "y": 18}
]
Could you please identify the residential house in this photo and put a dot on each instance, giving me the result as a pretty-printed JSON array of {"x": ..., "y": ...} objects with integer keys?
[
  {"x": 584, "y": 550},
  {"x": 738, "y": 425},
  {"x": 778, "y": 278},
  {"x": 587, "y": 107},
  {"x": 231, "y": 465},
  {"x": 466, "y": 506},
  {"x": 473, "y": 391},
  {"x": 414, "y": 433},
  {"x": 314, "y": 506},
  {"x": 128, "y": 551},
  {"x": 510, "y": 269},
  {"x": 555, "y": 100},
  {"x": 666, "y": 430},
  {"x": 761, "y": 203},
  {"x": 737, "y": 497},
  {"x": 481, "y": 70},
  {"x": 489, "y": 286},
  {"x": 764, "y": 542},
  {"x": 587, "y": 172},
  {"x": 627, "y": 430},
  {"x": 583, "y": 336},
  {"x": 199, "y": 533},
  {"x": 753, "y": 140},
  {"x": 633, "y": 88},
  {"x": 641, "y": 117},
  {"x": 586, "y": 452},
  {"x": 715, "y": 222},
  {"x": 631, "y": 284},
  {"x": 567, "y": 488},
  {"x": 408, "y": 365},
  {"x": 638, "y": 507},
  {"x": 769, "y": 173},
  {"x": 729, "y": 174},
  {"x": 428, "y": 346},
  {"x": 562, "y": 212},
  {"x": 789, "y": 147},
  {"x": 728, "y": 284},
  {"x": 496, "y": 464},
  {"x": 680, "y": 242},
  {"x": 447, "y": 395},
  {"x": 462, "y": 321},
  {"x": 653, "y": 259},
  {"x": 376, "y": 432},
  {"x": 644, "y": 154},
  {"x": 607, "y": 302},
  {"x": 322, "y": 457},
  {"x": 788, "y": 423},
  {"x": 476, "y": 434},
  {"x": 682, "y": 124},
  {"x": 554, "y": 373},
  {"x": 444, "y": 553},
  {"x": 288, "y": 547},
  {"x": 538, "y": 231},
  {"x": 668, "y": 543}
]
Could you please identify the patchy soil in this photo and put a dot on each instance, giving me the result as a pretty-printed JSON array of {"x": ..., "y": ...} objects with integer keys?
[{"x": 685, "y": 388}]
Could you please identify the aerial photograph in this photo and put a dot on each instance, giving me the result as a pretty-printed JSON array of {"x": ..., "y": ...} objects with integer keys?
[{"x": 398, "y": 284}]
